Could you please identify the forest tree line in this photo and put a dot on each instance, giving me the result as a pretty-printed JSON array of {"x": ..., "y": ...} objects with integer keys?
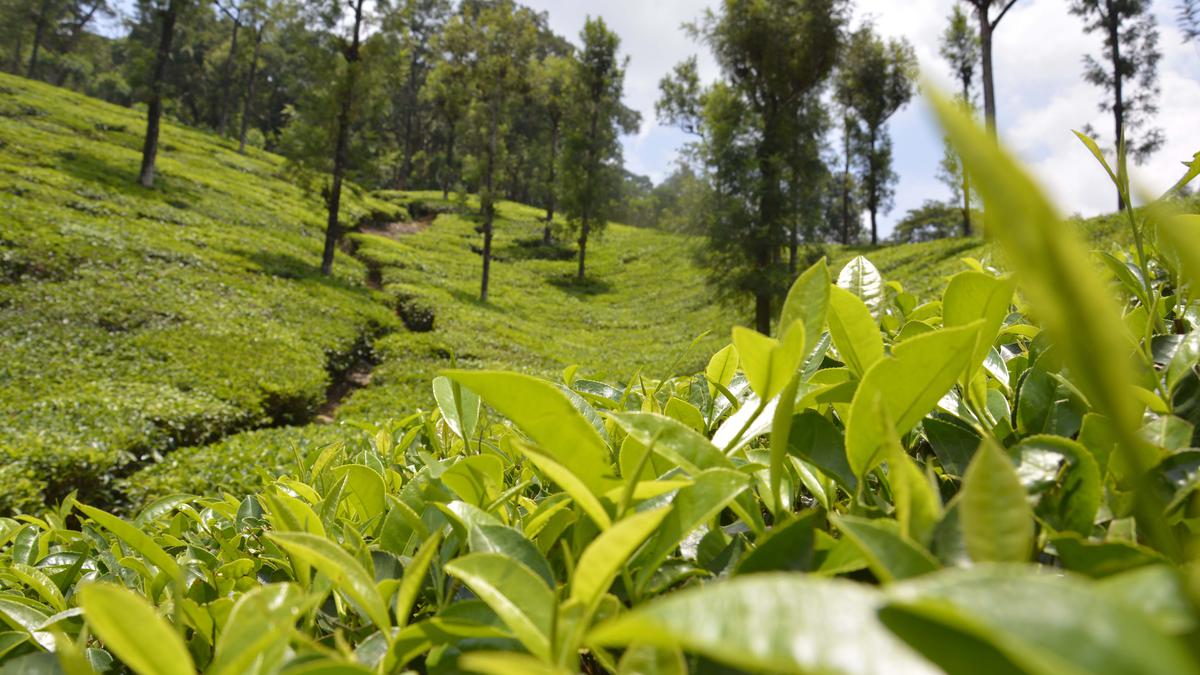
[{"x": 790, "y": 144}]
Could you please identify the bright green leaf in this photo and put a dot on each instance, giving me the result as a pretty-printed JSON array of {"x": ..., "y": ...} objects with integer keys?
[
  {"x": 519, "y": 596},
  {"x": 854, "y": 332},
  {"x": 342, "y": 569},
  {"x": 908, "y": 385},
  {"x": 777, "y": 622},
  {"x": 996, "y": 519},
  {"x": 133, "y": 630}
]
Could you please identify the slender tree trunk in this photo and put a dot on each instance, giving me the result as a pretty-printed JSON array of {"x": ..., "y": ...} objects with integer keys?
[
  {"x": 410, "y": 115},
  {"x": 584, "y": 229},
  {"x": 39, "y": 35},
  {"x": 962, "y": 165},
  {"x": 448, "y": 170},
  {"x": 551, "y": 184},
  {"x": 341, "y": 149},
  {"x": 966, "y": 222},
  {"x": 593, "y": 161},
  {"x": 18, "y": 47},
  {"x": 846, "y": 178},
  {"x": 793, "y": 247},
  {"x": 989, "y": 86},
  {"x": 1114, "y": 36},
  {"x": 762, "y": 313},
  {"x": 873, "y": 189},
  {"x": 769, "y": 208},
  {"x": 155, "y": 109},
  {"x": 227, "y": 77},
  {"x": 488, "y": 204},
  {"x": 248, "y": 98},
  {"x": 406, "y": 163}
]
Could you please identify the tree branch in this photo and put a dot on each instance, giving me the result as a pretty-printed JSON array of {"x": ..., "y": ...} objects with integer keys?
[{"x": 1003, "y": 12}]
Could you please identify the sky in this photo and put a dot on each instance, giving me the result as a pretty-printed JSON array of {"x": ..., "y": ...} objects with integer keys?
[{"x": 1041, "y": 95}]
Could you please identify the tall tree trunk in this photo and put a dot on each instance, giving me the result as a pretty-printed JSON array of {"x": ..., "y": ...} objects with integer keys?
[
  {"x": 962, "y": 165},
  {"x": 342, "y": 145},
  {"x": 39, "y": 35},
  {"x": 989, "y": 85},
  {"x": 793, "y": 248},
  {"x": 584, "y": 229},
  {"x": 846, "y": 178},
  {"x": 248, "y": 97},
  {"x": 1114, "y": 36},
  {"x": 227, "y": 76},
  {"x": 966, "y": 188},
  {"x": 410, "y": 115},
  {"x": 488, "y": 202},
  {"x": 18, "y": 47},
  {"x": 155, "y": 109},
  {"x": 593, "y": 169},
  {"x": 448, "y": 169},
  {"x": 552, "y": 192},
  {"x": 873, "y": 188},
  {"x": 762, "y": 313},
  {"x": 769, "y": 211},
  {"x": 987, "y": 29},
  {"x": 408, "y": 142}
]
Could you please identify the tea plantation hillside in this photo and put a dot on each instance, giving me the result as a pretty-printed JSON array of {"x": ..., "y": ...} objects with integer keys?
[
  {"x": 134, "y": 322},
  {"x": 642, "y": 305}
]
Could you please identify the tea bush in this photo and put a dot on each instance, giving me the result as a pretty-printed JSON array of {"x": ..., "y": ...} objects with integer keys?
[
  {"x": 999, "y": 480},
  {"x": 135, "y": 321},
  {"x": 635, "y": 313}
]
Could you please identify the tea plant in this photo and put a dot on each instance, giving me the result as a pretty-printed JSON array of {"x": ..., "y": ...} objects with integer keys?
[
  {"x": 1001, "y": 480},
  {"x": 135, "y": 324}
]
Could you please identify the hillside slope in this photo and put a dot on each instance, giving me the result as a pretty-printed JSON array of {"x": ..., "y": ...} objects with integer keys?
[
  {"x": 190, "y": 324},
  {"x": 134, "y": 322}
]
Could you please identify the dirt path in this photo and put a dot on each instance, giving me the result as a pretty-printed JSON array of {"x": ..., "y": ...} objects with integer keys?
[
  {"x": 344, "y": 384},
  {"x": 396, "y": 230}
]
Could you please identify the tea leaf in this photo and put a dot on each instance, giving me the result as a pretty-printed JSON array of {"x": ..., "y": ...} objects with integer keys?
[
  {"x": 459, "y": 406},
  {"x": 908, "y": 385},
  {"x": 602, "y": 560},
  {"x": 541, "y": 410},
  {"x": 890, "y": 555},
  {"x": 808, "y": 301},
  {"x": 862, "y": 278},
  {"x": 757, "y": 623},
  {"x": 136, "y": 540},
  {"x": 997, "y": 522},
  {"x": 134, "y": 631},
  {"x": 854, "y": 332},
  {"x": 520, "y": 598},
  {"x": 346, "y": 573},
  {"x": 769, "y": 364}
]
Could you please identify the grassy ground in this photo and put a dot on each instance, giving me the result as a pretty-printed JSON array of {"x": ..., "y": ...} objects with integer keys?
[
  {"x": 135, "y": 321},
  {"x": 640, "y": 308},
  {"x": 189, "y": 323}
]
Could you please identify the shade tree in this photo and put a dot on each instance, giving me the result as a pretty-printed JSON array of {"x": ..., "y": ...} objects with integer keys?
[
  {"x": 592, "y": 166},
  {"x": 773, "y": 57},
  {"x": 877, "y": 79},
  {"x": 1127, "y": 70},
  {"x": 961, "y": 51}
]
